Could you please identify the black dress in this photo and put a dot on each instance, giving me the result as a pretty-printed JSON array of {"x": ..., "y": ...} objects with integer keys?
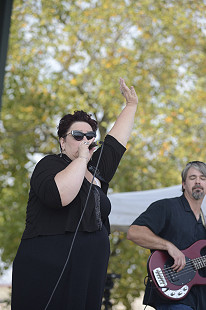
[
  {"x": 41, "y": 256},
  {"x": 40, "y": 260}
]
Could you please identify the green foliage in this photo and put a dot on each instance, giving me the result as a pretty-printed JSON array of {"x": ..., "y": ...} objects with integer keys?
[
  {"x": 68, "y": 55},
  {"x": 130, "y": 262}
]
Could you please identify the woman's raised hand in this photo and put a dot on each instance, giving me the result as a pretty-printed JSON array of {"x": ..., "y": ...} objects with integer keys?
[{"x": 129, "y": 93}]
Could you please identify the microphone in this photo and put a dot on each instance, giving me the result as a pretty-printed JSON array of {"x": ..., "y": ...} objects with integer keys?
[{"x": 94, "y": 144}]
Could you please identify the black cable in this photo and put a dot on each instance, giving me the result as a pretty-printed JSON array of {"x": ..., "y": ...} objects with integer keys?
[
  {"x": 149, "y": 287},
  {"x": 74, "y": 237}
]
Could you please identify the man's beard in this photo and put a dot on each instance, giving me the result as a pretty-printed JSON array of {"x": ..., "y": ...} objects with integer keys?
[{"x": 198, "y": 194}]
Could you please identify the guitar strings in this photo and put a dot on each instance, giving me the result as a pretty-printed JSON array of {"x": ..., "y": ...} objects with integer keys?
[
  {"x": 188, "y": 268},
  {"x": 190, "y": 262},
  {"x": 175, "y": 274}
]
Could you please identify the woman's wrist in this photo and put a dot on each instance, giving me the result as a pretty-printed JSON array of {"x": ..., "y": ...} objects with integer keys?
[{"x": 83, "y": 157}]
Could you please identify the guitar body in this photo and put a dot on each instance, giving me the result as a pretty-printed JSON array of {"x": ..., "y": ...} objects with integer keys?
[{"x": 176, "y": 285}]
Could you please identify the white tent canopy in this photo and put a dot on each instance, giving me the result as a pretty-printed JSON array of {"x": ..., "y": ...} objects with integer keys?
[{"x": 126, "y": 207}]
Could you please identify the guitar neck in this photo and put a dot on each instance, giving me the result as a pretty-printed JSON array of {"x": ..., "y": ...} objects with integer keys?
[{"x": 199, "y": 262}]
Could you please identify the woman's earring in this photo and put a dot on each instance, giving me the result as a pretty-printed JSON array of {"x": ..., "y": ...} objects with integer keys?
[{"x": 60, "y": 150}]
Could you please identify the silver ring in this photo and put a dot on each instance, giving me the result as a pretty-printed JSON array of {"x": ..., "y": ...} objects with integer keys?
[{"x": 86, "y": 142}]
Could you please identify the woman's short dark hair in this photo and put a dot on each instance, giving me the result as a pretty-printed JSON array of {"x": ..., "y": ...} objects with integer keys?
[
  {"x": 78, "y": 116},
  {"x": 198, "y": 165}
]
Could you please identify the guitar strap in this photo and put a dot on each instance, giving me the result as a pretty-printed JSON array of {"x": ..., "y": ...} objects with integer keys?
[{"x": 203, "y": 218}]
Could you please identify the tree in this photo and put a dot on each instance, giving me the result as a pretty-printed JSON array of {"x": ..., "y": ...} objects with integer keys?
[{"x": 68, "y": 55}]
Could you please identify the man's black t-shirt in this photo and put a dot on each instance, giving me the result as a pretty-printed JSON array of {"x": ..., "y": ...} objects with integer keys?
[{"x": 173, "y": 220}]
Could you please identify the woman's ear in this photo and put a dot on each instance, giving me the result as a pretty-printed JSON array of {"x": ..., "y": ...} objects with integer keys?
[{"x": 61, "y": 142}]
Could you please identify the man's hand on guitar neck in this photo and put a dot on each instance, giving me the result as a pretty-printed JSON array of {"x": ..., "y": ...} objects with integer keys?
[{"x": 177, "y": 255}]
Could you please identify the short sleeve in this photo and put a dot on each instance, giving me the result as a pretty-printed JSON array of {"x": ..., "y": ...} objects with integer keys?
[
  {"x": 155, "y": 217},
  {"x": 110, "y": 157},
  {"x": 43, "y": 183}
]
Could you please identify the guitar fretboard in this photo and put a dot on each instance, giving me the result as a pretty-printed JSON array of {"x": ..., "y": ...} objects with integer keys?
[{"x": 199, "y": 262}]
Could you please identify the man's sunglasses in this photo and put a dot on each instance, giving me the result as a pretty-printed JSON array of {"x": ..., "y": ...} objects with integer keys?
[{"x": 78, "y": 135}]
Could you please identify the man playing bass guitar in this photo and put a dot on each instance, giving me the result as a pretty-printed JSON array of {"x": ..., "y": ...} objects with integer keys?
[{"x": 175, "y": 229}]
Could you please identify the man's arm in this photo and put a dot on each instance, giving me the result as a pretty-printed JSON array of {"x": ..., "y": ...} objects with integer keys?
[{"x": 144, "y": 237}]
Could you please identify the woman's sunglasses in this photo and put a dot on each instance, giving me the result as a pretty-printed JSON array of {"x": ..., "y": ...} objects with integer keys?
[{"x": 78, "y": 135}]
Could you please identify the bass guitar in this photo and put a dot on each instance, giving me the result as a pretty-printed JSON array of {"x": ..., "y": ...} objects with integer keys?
[{"x": 176, "y": 285}]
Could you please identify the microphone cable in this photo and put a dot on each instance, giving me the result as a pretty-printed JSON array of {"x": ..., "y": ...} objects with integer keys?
[{"x": 74, "y": 237}]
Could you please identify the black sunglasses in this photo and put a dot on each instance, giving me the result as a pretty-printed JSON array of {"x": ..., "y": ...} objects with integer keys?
[{"x": 78, "y": 135}]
